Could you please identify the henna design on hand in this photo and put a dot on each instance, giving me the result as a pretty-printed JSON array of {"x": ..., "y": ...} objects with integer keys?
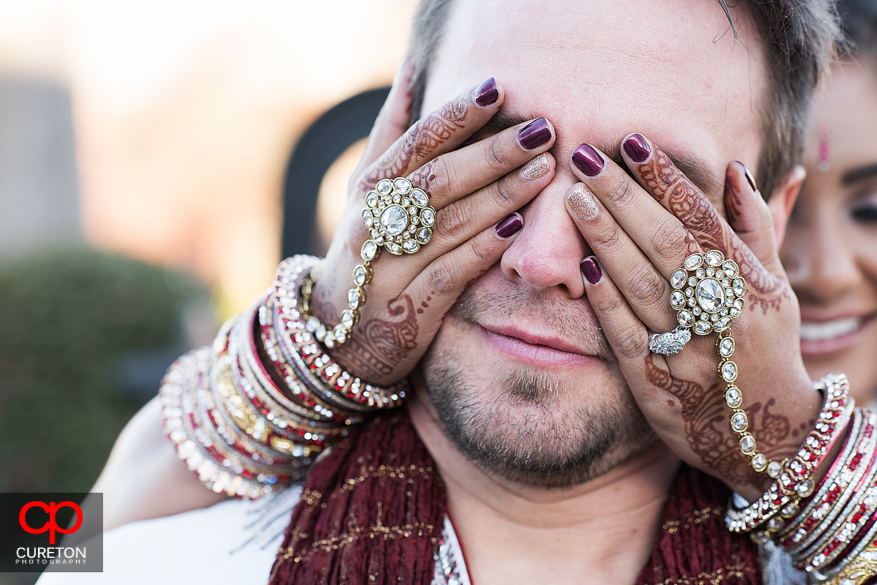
[
  {"x": 420, "y": 141},
  {"x": 394, "y": 338},
  {"x": 764, "y": 289},
  {"x": 694, "y": 210},
  {"x": 379, "y": 345},
  {"x": 705, "y": 416},
  {"x": 424, "y": 177}
]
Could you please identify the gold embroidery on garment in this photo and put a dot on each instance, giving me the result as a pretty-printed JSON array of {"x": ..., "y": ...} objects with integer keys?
[
  {"x": 358, "y": 532},
  {"x": 314, "y": 500},
  {"x": 695, "y": 517},
  {"x": 383, "y": 471},
  {"x": 735, "y": 571}
]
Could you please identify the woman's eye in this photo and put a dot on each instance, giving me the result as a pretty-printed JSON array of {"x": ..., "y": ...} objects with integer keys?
[
  {"x": 865, "y": 213},
  {"x": 864, "y": 208}
]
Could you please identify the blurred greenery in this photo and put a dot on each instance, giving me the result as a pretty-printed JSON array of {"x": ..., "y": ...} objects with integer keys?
[{"x": 67, "y": 318}]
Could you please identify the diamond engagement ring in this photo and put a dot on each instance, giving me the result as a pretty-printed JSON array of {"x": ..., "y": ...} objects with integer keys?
[
  {"x": 671, "y": 342},
  {"x": 399, "y": 218}
]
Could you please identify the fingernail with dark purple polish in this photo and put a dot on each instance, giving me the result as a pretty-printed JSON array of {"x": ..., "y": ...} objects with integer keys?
[
  {"x": 509, "y": 226},
  {"x": 591, "y": 270},
  {"x": 486, "y": 93},
  {"x": 749, "y": 178},
  {"x": 588, "y": 160},
  {"x": 534, "y": 134},
  {"x": 637, "y": 148}
]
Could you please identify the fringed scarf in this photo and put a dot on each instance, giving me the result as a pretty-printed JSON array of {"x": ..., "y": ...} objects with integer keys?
[{"x": 373, "y": 508}]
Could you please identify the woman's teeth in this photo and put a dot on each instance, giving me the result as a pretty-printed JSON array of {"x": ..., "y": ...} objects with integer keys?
[{"x": 812, "y": 331}]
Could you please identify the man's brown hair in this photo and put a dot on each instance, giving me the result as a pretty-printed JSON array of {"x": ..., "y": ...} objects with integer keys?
[{"x": 799, "y": 36}]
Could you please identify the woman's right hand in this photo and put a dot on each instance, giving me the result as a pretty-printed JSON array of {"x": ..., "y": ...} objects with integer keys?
[{"x": 475, "y": 189}]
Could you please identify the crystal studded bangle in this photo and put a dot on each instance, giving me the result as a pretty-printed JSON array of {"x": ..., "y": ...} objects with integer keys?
[
  {"x": 856, "y": 518},
  {"x": 847, "y": 518},
  {"x": 829, "y": 491},
  {"x": 850, "y": 475},
  {"x": 305, "y": 413},
  {"x": 834, "y": 535},
  {"x": 189, "y": 421},
  {"x": 857, "y": 568},
  {"x": 794, "y": 481}
]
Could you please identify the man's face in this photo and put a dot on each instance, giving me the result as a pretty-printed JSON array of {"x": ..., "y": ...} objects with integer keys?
[{"x": 520, "y": 374}]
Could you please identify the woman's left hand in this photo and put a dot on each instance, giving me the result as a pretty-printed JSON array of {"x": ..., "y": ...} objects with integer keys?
[{"x": 641, "y": 230}]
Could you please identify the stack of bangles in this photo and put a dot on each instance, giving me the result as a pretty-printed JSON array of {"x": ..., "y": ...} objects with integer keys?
[
  {"x": 828, "y": 529},
  {"x": 247, "y": 424}
]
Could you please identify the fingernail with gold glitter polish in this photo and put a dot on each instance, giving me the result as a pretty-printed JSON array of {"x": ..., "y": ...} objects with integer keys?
[
  {"x": 583, "y": 203},
  {"x": 536, "y": 167}
]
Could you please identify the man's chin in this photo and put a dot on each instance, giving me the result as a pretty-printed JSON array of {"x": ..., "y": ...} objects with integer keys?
[{"x": 531, "y": 427}]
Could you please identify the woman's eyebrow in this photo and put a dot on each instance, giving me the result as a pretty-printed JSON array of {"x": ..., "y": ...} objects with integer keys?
[{"x": 859, "y": 173}]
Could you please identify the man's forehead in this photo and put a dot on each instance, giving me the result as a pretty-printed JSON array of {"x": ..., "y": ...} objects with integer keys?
[{"x": 670, "y": 69}]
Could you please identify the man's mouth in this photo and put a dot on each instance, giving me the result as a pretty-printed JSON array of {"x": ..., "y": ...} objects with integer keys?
[
  {"x": 831, "y": 335},
  {"x": 537, "y": 348}
]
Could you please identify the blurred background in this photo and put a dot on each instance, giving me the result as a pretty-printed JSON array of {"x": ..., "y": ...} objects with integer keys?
[{"x": 146, "y": 180}]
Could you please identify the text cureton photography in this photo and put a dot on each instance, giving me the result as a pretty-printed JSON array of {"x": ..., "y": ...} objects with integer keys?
[{"x": 51, "y": 532}]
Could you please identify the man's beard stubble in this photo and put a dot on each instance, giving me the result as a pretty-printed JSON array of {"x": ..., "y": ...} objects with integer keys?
[{"x": 535, "y": 433}]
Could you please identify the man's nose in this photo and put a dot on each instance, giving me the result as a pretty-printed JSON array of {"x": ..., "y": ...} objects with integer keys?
[{"x": 549, "y": 249}]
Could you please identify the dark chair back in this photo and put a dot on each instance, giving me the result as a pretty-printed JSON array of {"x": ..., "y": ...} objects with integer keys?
[{"x": 320, "y": 145}]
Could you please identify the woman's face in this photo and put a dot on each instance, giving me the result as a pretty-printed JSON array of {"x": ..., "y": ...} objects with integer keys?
[{"x": 830, "y": 250}]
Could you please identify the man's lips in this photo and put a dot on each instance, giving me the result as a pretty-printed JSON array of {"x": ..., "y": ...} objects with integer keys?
[
  {"x": 823, "y": 335},
  {"x": 532, "y": 347}
]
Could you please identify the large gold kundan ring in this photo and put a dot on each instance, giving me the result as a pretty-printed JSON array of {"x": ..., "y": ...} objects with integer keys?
[
  {"x": 398, "y": 216},
  {"x": 707, "y": 292}
]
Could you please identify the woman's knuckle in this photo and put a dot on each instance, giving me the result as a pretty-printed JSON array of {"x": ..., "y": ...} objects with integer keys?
[
  {"x": 441, "y": 279},
  {"x": 431, "y": 177},
  {"x": 607, "y": 304},
  {"x": 647, "y": 286},
  {"x": 496, "y": 156},
  {"x": 482, "y": 251},
  {"x": 355, "y": 234},
  {"x": 630, "y": 342},
  {"x": 621, "y": 193},
  {"x": 503, "y": 193},
  {"x": 605, "y": 239},
  {"x": 669, "y": 240},
  {"x": 412, "y": 138},
  {"x": 451, "y": 221}
]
